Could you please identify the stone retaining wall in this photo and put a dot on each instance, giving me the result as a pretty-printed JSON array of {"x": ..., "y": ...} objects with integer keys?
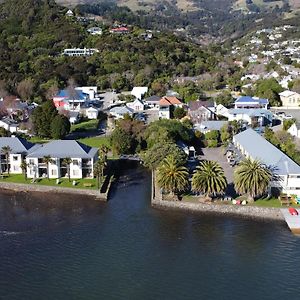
[
  {"x": 250, "y": 212},
  {"x": 19, "y": 187}
]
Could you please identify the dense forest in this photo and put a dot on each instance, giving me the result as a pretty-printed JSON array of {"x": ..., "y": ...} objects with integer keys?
[
  {"x": 33, "y": 34},
  {"x": 216, "y": 18}
]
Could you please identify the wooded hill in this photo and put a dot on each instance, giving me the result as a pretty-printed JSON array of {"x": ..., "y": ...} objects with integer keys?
[{"x": 33, "y": 34}]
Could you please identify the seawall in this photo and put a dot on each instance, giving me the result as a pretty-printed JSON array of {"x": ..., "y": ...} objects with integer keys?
[
  {"x": 19, "y": 187},
  {"x": 250, "y": 212}
]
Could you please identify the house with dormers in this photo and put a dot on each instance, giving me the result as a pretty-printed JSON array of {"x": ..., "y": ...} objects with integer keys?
[
  {"x": 83, "y": 159},
  {"x": 19, "y": 149}
]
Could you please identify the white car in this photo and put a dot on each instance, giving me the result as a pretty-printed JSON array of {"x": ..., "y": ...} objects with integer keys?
[{"x": 287, "y": 117}]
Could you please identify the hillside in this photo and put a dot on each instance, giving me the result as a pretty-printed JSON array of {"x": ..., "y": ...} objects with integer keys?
[{"x": 34, "y": 33}]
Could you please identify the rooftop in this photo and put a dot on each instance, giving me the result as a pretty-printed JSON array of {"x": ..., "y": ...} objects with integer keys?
[
  {"x": 63, "y": 149},
  {"x": 287, "y": 93},
  {"x": 252, "y": 112},
  {"x": 248, "y": 99},
  {"x": 169, "y": 101},
  {"x": 259, "y": 148},
  {"x": 17, "y": 145}
]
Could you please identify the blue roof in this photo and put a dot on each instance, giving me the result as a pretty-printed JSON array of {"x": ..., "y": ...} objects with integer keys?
[
  {"x": 259, "y": 148},
  {"x": 246, "y": 99},
  {"x": 78, "y": 95}
]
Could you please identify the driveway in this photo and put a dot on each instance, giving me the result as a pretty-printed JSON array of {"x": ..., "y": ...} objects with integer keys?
[{"x": 217, "y": 154}]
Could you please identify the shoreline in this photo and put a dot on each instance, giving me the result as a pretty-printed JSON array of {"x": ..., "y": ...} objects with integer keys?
[
  {"x": 246, "y": 212},
  {"x": 21, "y": 187}
]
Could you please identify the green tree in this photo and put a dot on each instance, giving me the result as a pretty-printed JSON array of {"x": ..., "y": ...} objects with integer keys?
[
  {"x": 67, "y": 163},
  {"x": 121, "y": 141},
  {"x": 209, "y": 178},
  {"x": 179, "y": 113},
  {"x": 288, "y": 123},
  {"x": 172, "y": 177},
  {"x": 60, "y": 127},
  {"x": 42, "y": 118},
  {"x": 270, "y": 89},
  {"x": 253, "y": 178},
  {"x": 24, "y": 166},
  {"x": 97, "y": 172},
  {"x": 47, "y": 160},
  {"x": 6, "y": 150},
  {"x": 154, "y": 156}
]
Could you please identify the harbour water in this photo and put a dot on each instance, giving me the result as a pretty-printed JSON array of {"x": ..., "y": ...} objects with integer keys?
[{"x": 52, "y": 247}]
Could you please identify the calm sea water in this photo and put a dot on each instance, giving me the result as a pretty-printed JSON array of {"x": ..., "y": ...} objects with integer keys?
[{"x": 76, "y": 249}]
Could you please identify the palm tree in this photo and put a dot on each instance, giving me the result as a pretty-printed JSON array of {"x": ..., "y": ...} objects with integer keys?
[
  {"x": 67, "y": 162},
  {"x": 103, "y": 150},
  {"x": 24, "y": 166},
  {"x": 209, "y": 178},
  {"x": 253, "y": 178},
  {"x": 6, "y": 150},
  {"x": 47, "y": 160},
  {"x": 171, "y": 176},
  {"x": 98, "y": 171}
]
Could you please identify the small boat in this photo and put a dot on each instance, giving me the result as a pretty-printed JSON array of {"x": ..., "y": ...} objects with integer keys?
[{"x": 293, "y": 211}]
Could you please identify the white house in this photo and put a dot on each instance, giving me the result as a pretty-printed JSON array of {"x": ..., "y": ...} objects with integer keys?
[
  {"x": 69, "y": 13},
  {"x": 167, "y": 105},
  {"x": 294, "y": 130},
  {"x": 18, "y": 149},
  {"x": 251, "y": 102},
  {"x": 95, "y": 31},
  {"x": 79, "y": 51},
  {"x": 82, "y": 166},
  {"x": 290, "y": 99},
  {"x": 91, "y": 91},
  {"x": 139, "y": 91},
  {"x": 152, "y": 101},
  {"x": 254, "y": 146},
  {"x": 137, "y": 105},
  {"x": 91, "y": 113},
  {"x": 207, "y": 126},
  {"x": 9, "y": 124},
  {"x": 120, "y": 111},
  {"x": 252, "y": 116}
]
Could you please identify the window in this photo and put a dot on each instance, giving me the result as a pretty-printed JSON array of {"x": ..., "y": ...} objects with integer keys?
[
  {"x": 53, "y": 172},
  {"x": 15, "y": 168},
  {"x": 15, "y": 158},
  {"x": 75, "y": 162},
  {"x": 31, "y": 161}
]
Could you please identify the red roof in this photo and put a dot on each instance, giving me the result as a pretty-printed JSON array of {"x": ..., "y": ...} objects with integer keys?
[
  {"x": 169, "y": 101},
  {"x": 120, "y": 29}
]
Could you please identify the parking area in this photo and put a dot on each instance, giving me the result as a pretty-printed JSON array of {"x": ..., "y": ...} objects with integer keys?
[
  {"x": 217, "y": 154},
  {"x": 294, "y": 113}
]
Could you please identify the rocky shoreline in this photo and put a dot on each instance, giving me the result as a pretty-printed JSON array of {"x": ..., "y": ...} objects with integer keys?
[
  {"x": 20, "y": 187},
  {"x": 249, "y": 212}
]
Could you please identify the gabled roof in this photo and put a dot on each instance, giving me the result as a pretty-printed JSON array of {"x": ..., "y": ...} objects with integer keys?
[
  {"x": 252, "y": 112},
  {"x": 78, "y": 95},
  {"x": 259, "y": 148},
  {"x": 248, "y": 99},
  {"x": 63, "y": 149},
  {"x": 9, "y": 121},
  {"x": 121, "y": 110},
  {"x": 195, "y": 105},
  {"x": 210, "y": 125},
  {"x": 152, "y": 99},
  {"x": 17, "y": 145},
  {"x": 169, "y": 101},
  {"x": 287, "y": 93}
]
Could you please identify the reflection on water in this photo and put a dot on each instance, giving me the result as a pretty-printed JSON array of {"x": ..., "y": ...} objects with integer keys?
[{"x": 59, "y": 247}]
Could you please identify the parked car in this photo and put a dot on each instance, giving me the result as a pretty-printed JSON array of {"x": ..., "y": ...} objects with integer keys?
[
  {"x": 287, "y": 117},
  {"x": 280, "y": 114},
  {"x": 293, "y": 211}
]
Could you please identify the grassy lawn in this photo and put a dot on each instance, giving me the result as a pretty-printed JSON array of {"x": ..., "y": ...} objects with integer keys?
[
  {"x": 85, "y": 126},
  {"x": 64, "y": 182},
  {"x": 39, "y": 140},
  {"x": 96, "y": 141}
]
